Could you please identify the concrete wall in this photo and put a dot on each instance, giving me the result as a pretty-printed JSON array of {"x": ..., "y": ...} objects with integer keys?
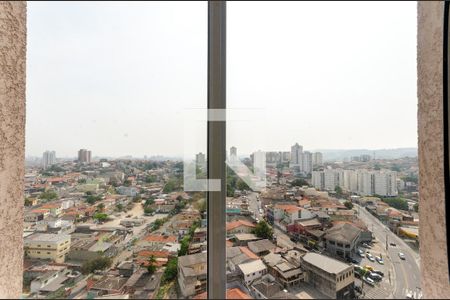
[
  {"x": 12, "y": 142},
  {"x": 433, "y": 248}
]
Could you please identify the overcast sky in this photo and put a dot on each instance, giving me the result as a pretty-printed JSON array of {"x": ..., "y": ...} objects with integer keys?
[{"x": 117, "y": 78}]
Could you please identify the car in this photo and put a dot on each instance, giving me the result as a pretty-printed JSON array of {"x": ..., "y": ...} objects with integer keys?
[
  {"x": 402, "y": 255},
  {"x": 352, "y": 260},
  {"x": 392, "y": 244},
  {"x": 365, "y": 245},
  {"x": 369, "y": 281},
  {"x": 358, "y": 289},
  {"x": 370, "y": 257},
  {"x": 378, "y": 272},
  {"x": 360, "y": 252},
  {"x": 370, "y": 268},
  {"x": 379, "y": 260},
  {"x": 375, "y": 276}
]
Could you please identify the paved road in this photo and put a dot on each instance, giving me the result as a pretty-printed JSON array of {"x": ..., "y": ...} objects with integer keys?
[
  {"x": 254, "y": 205},
  {"x": 406, "y": 275}
]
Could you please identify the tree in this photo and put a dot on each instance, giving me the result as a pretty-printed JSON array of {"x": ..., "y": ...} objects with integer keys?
[
  {"x": 119, "y": 207},
  {"x": 101, "y": 207},
  {"x": 99, "y": 263},
  {"x": 299, "y": 182},
  {"x": 151, "y": 265},
  {"x": 416, "y": 207},
  {"x": 150, "y": 178},
  {"x": 169, "y": 187},
  {"x": 100, "y": 217},
  {"x": 81, "y": 181},
  {"x": 263, "y": 230},
  {"x": 28, "y": 202},
  {"x": 338, "y": 190},
  {"x": 137, "y": 198},
  {"x": 171, "y": 270},
  {"x": 149, "y": 202},
  {"x": 148, "y": 210},
  {"x": 241, "y": 185},
  {"x": 397, "y": 203},
  {"x": 184, "y": 246},
  {"x": 48, "y": 195},
  {"x": 127, "y": 183},
  {"x": 348, "y": 204}
]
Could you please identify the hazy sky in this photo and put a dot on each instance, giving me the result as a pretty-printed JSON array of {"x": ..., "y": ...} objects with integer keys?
[{"x": 117, "y": 78}]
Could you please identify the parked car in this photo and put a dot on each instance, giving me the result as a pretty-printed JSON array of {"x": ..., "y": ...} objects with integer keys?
[
  {"x": 392, "y": 244},
  {"x": 365, "y": 245},
  {"x": 375, "y": 276},
  {"x": 370, "y": 268},
  {"x": 361, "y": 252},
  {"x": 378, "y": 272},
  {"x": 379, "y": 260},
  {"x": 401, "y": 255},
  {"x": 370, "y": 257},
  {"x": 369, "y": 281}
]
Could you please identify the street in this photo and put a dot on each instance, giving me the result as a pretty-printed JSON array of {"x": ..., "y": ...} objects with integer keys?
[{"x": 406, "y": 277}]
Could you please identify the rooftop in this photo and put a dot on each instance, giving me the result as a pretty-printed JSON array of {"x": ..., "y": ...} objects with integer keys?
[
  {"x": 46, "y": 237},
  {"x": 253, "y": 266},
  {"x": 328, "y": 264}
]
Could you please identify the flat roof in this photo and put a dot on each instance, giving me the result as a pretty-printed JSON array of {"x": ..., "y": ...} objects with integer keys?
[
  {"x": 47, "y": 237},
  {"x": 328, "y": 264},
  {"x": 253, "y": 266}
]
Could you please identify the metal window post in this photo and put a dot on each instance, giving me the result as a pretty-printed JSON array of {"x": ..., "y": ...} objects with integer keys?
[{"x": 216, "y": 153}]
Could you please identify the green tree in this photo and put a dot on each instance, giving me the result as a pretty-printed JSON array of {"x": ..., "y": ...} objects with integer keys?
[
  {"x": 119, "y": 207},
  {"x": 137, "y": 198},
  {"x": 397, "y": 203},
  {"x": 299, "y": 182},
  {"x": 150, "y": 178},
  {"x": 99, "y": 263},
  {"x": 127, "y": 183},
  {"x": 348, "y": 204},
  {"x": 48, "y": 195},
  {"x": 101, "y": 207},
  {"x": 148, "y": 210},
  {"x": 151, "y": 265},
  {"x": 100, "y": 217},
  {"x": 263, "y": 230},
  {"x": 416, "y": 207},
  {"x": 338, "y": 190},
  {"x": 171, "y": 270},
  {"x": 28, "y": 202},
  {"x": 241, "y": 185},
  {"x": 184, "y": 246},
  {"x": 149, "y": 202},
  {"x": 169, "y": 186}
]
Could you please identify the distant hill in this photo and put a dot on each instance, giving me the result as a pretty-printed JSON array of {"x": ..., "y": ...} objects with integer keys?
[{"x": 338, "y": 155}]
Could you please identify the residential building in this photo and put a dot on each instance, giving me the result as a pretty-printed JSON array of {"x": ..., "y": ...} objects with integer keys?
[
  {"x": 331, "y": 277},
  {"x": 48, "y": 159},
  {"x": 296, "y": 159},
  {"x": 192, "y": 271},
  {"x": 84, "y": 156},
  {"x": 47, "y": 246},
  {"x": 317, "y": 159},
  {"x": 239, "y": 226},
  {"x": 200, "y": 161},
  {"x": 252, "y": 270},
  {"x": 307, "y": 162},
  {"x": 342, "y": 239}
]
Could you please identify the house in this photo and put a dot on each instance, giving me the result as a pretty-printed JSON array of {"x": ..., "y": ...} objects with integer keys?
[
  {"x": 287, "y": 273},
  {"x": 252, "y": 270},
  {"x": 331, "y": 277},
  {"x": 107, "y": 285},
  {"x": 300, "y": 227},
  {"x": 342, "y": 239},
  {"x": 267, "y": 287},
  {"x": 239, "y": 226},
  {"x": 47, "y": 246},
  {"x": 200, "y": 235},
  {"x": 192, "y": 271},
  {"x": 50, "y": 279},
  {"x": 237, "y": 256},
  {"x": 232, "y": 293},
  {"x": 242, "y": 239},
  {"x": 261, "y": 247},
  {"x": 153, "y": 239},
  {"x": 287, "y": 214}
]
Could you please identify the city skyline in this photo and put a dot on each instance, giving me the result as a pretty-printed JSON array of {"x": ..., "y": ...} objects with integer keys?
[{"x": 116, "y": 104}]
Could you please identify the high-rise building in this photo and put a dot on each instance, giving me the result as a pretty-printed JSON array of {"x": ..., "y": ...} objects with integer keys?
[
  {"x": 84, "y": 156},
  {"x": 200, "y": 161},
  {"x": 296, "y": 156},
  {"x": 233, "y": 154},
  {"x": 317, "y": 159},
  {"x": 259, "y": 163},
  {"x": 48, "y": 159},
  {"x": 307, "y": 164}
]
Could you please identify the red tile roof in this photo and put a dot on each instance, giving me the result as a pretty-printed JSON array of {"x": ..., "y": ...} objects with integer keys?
[
  {"x": 147, "y": 253},
  {"x": 235, "y": 224},
  {"x": 235, "y": 293}
]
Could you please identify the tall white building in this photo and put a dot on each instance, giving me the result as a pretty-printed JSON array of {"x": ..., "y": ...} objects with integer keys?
[
  {"x": 328, "y": 179},
  {"x": 317, "y": 159},
  {"x": 296, "y": 155},
  {"x": 385, "y": 183},
  {"x": 259, "y": 163},
  {"x": 84, "y": 156},
  {"x": 200, "y": 161},
  {"x": 307, "y": 164},
  {"x": 48, "y": 159}
]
